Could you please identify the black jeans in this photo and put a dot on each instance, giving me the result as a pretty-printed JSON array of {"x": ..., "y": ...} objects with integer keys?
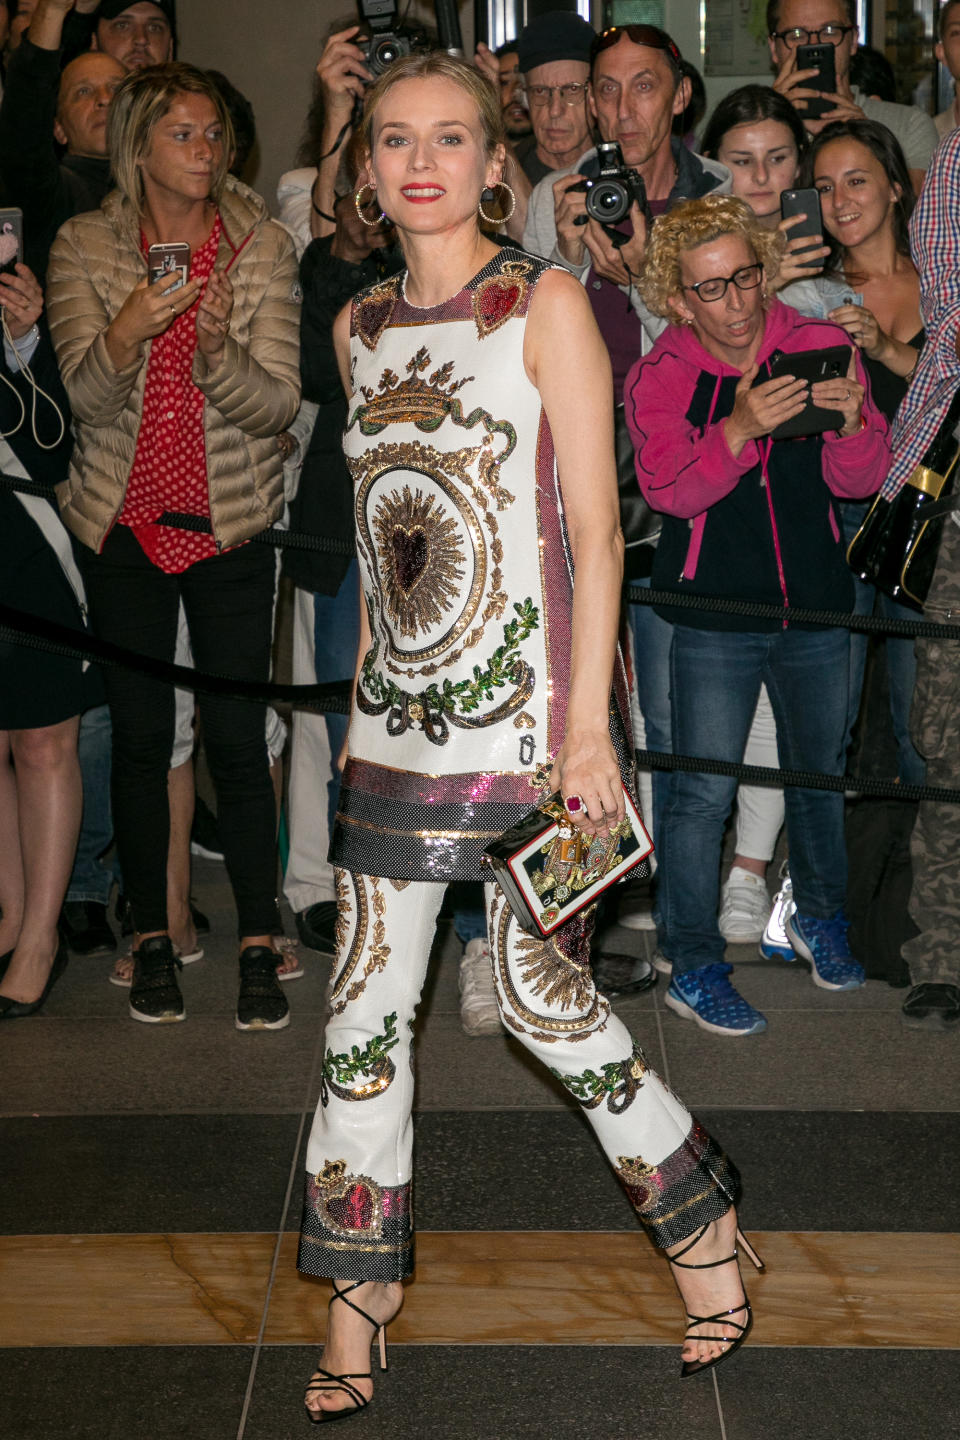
[{"x": 228, "y": 601}]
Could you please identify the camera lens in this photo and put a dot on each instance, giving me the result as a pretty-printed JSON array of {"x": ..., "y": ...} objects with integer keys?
[
  {"x": 384, "y": 54},
  {"x": 608, "y": 201}
]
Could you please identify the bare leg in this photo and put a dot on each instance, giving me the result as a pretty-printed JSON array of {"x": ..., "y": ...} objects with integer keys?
[
  {"x": 49, "y": 799},
  {"x": 180, "y": 796},
  {"x": 711, "y": 1291},
  {"x": 11, "y": 865},
  {"x": 346, "y": 1349}
]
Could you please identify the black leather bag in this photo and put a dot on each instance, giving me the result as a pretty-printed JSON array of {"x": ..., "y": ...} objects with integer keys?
[
  {"x": 641, "y": 526},
  {"x": 897, "y": 545}
]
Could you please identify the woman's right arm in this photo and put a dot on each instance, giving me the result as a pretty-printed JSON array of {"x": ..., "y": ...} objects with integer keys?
[
  {"x": 683, "y": 469},
  {"x": 341, "y": 344},
  {"x": 100, "y": 356}
]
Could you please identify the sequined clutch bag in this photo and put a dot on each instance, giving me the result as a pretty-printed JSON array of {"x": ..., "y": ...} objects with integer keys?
[{"x": 549, "y": 871}]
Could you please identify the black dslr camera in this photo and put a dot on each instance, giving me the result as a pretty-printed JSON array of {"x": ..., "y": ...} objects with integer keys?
[
  {"x": 615, "y": 189},
  {"x": 388, "y": 41}
]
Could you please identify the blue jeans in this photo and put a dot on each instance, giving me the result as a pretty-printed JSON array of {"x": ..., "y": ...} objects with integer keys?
[
  {"x": 336, "y": 635},
  {"x": 715, "y": 680},
  {"x": 651, "y": 645},
  {"x": 90, "y": 880},
  {"x": 901, "y": 662}
]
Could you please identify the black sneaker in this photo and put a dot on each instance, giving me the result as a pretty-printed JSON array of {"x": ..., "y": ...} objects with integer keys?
[
  {"x": 316, "y": 926},
  {"x": 154, "y": 994},
  {"x": 83, "y": 924},
  {"x": 261, "y": 1004},
  {"x": 931, "y": 1007},
  {"x": 615, "y": 974}
]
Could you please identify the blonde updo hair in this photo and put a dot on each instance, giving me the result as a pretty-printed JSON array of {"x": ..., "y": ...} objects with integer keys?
[
  {"x": 437, "y": 64},
  {"x": 140, "y": 102},
  {"x": 693, "y": 223}
]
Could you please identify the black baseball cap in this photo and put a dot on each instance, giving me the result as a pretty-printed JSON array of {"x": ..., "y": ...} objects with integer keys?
[
  {"x": 558, "y": 35},
  {"x": 110, "y": 9}
]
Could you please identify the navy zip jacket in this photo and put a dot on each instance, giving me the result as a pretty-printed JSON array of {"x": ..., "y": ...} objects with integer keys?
[{"x": 759, "y": 526}]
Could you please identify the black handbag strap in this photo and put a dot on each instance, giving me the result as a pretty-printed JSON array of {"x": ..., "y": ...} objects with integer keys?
[{"x": 946, "y": 506}]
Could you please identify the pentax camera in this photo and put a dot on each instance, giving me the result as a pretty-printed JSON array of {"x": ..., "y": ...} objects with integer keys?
[
  {"x": 615, "y": 189},
  {"x": 388, "y": 42}
]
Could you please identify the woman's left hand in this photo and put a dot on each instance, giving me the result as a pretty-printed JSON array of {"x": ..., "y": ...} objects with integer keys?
[
  {"x": 861, "y": 325},
  {"x": 22, "y": 300},
  {"x": 587, "y": 766},
  {"x": 213, "y": 317},
  {"x": 845, "y": 395}
]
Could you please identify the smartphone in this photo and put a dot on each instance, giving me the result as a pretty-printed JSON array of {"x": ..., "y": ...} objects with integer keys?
[
  {"x": 11, "y": 239},
  {"x": 809, "y": 365},
  {"x": 806, "y": 203},
  {"x": 170, "y": 258},
  {"x": 822, "y": 58}
]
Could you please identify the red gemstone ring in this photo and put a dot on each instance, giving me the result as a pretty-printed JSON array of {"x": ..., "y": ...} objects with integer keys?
[{"x": 573, "y": 804}]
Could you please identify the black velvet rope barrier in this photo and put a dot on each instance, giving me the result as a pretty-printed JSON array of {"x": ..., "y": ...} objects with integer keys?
[{"x": 333, "y": 697}]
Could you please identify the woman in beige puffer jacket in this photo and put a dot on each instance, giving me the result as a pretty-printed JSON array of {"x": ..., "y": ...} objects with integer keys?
[{"x": 179, "y": 392}]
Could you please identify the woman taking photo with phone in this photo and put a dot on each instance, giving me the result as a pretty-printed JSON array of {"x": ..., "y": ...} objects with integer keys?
[
  {"x": 752, "y": 517},
  {"x": 760, "y": 138},
  {"x": 178, "y": 393},
  {"x": 484, "y": 474},
  {"x": 866, "y": 198}
]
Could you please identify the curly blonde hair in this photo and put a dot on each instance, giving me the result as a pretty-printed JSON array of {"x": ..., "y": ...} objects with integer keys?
[{"x": 693, "y": 223}]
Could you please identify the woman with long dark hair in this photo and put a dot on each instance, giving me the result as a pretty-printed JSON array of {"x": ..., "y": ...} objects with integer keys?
[{"x": 867, "y": 198}]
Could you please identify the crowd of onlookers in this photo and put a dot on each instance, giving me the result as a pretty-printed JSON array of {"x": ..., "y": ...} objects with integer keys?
[{"x": 168, "y": 348}]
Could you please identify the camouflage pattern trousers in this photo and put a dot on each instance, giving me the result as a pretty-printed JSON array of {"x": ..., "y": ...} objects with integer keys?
[{"x": 934, "y": 955}]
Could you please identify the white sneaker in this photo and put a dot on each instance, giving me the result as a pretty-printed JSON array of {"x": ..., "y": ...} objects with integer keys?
[
  {"x": 636, "y": 917},
  {"x": 744, "y": 907},
  {"x": 775, "y": 943},
  {"x": 479, "y": 1011},
  {"x": 661, "y": 963}
]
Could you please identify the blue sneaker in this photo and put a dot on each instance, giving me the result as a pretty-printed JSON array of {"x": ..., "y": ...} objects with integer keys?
[
  {"x": 774, "y": 943},
  {"x": 824, "y": 943},
  {"x": 706, "y": 995}
]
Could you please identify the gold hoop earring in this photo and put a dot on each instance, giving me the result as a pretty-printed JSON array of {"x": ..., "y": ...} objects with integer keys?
[
  {"x": 487, "y": 194},
  {"x": 358, "y": 205}
]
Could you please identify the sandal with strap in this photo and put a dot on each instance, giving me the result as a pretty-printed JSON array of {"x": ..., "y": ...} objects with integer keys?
[
  {"x": 722, "y": 1317},
  {"x": 329, "y": 1381}
]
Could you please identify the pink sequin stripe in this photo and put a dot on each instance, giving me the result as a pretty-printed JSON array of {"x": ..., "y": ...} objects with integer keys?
[
  {"x": 460, "y": 307},
  {"x": 469, "y": 789},
  {"x": 555, "y": 570}
]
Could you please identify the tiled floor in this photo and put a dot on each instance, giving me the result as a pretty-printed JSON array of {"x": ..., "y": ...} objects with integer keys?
[{"x": 174, "y": 1157}]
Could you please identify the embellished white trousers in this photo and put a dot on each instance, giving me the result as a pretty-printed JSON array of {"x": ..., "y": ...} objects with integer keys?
[{"x": 358, "y": 1213}]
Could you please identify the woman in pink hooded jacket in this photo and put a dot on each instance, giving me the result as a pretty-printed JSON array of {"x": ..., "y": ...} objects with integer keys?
[{"x": 752, "y": 517}]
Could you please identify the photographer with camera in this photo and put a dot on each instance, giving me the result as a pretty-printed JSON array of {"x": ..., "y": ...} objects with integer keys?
[{"x": 636, "y": 88}]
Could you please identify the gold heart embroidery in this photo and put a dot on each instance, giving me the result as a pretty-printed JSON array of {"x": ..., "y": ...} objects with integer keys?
[
  {"x": 410, "y": 555},
  {"x": 349, "y": 1205},
  {"x": 371, "y": 316},
  {"x": 495, "y": 300}
]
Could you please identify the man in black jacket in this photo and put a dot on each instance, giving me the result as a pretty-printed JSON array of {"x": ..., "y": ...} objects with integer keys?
[{"x": 43, "y": 108}]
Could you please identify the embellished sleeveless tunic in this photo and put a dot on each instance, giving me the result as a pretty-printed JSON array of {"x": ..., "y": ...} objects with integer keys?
[{"x": 467, "y": 575}]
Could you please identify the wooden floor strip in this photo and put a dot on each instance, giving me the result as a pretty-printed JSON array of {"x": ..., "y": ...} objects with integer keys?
[{"x": 489, "y": 1287}]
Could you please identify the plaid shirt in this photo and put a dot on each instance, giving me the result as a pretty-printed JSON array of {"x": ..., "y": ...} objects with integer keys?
[{"x": 935, "y": 245}]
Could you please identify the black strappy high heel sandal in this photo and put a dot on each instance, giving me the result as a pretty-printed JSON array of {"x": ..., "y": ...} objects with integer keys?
[
  {"x": 694, "y": 1367},
  {"x": 342, "y": 1382}
]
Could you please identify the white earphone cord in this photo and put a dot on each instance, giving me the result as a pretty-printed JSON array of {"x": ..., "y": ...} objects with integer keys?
[{"x": 35, "y": 391}]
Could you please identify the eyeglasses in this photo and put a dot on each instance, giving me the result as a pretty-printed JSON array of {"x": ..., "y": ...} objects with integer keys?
[
  {"x": 827, "y": 34},
  {"x": 748, "y": 277},
  {"x": 572, "y": 94},
  {"x": 650, "y": 35}
]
